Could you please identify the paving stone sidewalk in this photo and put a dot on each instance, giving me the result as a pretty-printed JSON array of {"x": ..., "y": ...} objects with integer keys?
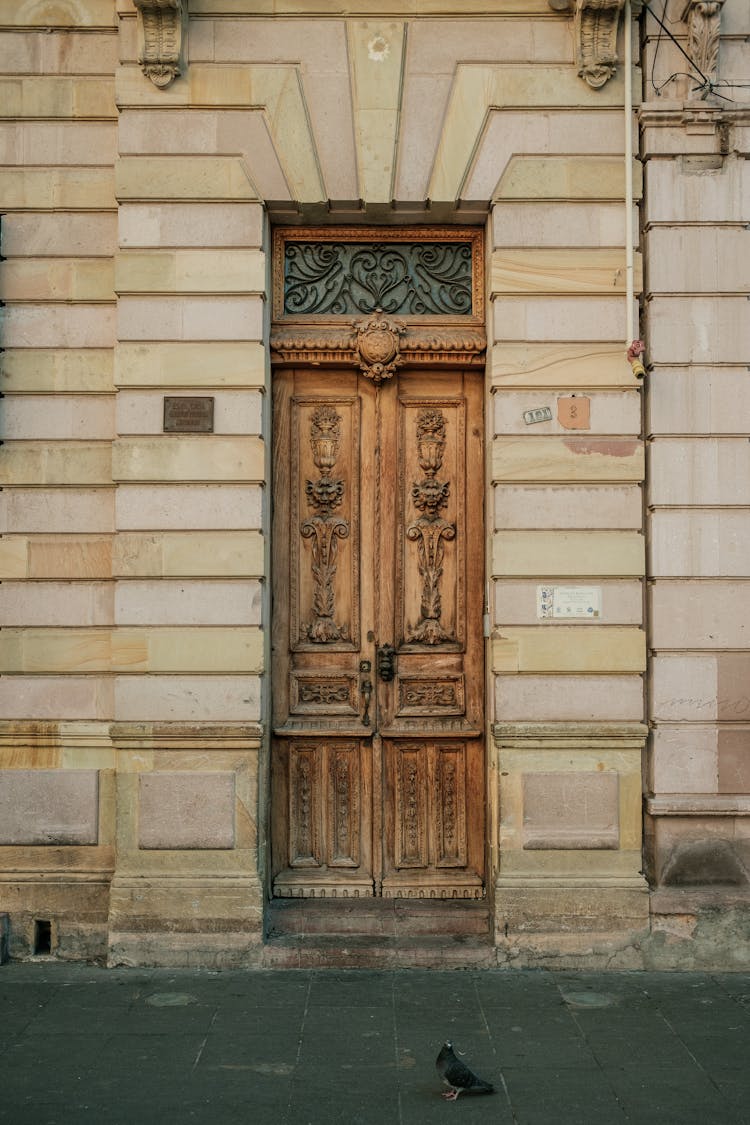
[{"x": 317, "y": 1047}]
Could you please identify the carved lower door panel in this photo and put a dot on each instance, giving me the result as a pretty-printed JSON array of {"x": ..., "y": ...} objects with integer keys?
[{"x": 378, "y": 543}]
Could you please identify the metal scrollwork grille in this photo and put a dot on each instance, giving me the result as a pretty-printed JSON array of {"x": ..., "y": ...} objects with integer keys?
[{"x": 411, "y": 279}]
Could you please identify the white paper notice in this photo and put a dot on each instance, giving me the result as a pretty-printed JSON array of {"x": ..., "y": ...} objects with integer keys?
[{"x": 569, "y": 601}]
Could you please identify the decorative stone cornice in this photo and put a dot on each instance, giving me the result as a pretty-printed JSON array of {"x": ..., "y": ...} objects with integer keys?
[
  {"x": 596, "y": 23},
  {"x": 160, "y": 28},
  {"x": 703, "y": 19}
]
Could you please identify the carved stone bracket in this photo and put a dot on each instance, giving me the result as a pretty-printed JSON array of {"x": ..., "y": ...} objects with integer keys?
[
  {"x": 596, "y": 23},
  {"x": 335, "y": 345},
  {"x": 596, "y": 39},
  {"x": 160, "y": 30},
  {"x": 703, "y": 19},
  {"x": 377, "y": 345}
]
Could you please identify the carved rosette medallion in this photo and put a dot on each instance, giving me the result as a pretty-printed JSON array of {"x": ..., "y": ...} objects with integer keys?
[
  {"x": 430, "y": 532},
  {"x": 324, "y": 528},
  {"x": 703, "y": 19},
  {"x": 160, "y": 26},
  {"x": 377, "y": 346}
]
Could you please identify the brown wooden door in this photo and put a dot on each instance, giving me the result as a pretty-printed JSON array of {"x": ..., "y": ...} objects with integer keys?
[{"x": 378, "y": 546}]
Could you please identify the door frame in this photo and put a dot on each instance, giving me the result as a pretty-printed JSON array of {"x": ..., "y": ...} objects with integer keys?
[{"x": 376, "y": 345}]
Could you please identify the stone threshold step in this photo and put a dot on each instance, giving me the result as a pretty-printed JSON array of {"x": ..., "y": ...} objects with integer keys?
[
  {"x": 381, "y": 918},
  {"x": 360, "y": 952}
]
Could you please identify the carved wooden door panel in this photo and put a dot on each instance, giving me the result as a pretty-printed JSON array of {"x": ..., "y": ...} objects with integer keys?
[{"x": 378, "y": 545}]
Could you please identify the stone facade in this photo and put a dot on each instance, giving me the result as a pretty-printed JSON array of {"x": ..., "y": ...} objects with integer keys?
[{"x": 148, "y": 152}]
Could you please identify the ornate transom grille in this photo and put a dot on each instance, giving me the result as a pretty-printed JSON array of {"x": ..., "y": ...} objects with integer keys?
[{"x": 347, "y": 272}]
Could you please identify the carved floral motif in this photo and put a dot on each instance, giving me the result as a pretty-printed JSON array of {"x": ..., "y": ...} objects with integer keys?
[
  {"x": 703, "y": 19},
  {"x": 324, "y": 529},
  {"x": 430, "y": 532},
  {"x": 160, "y": 25}
]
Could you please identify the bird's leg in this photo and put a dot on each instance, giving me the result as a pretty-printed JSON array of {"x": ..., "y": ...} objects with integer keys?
[{"x": 451, "y": 1095}]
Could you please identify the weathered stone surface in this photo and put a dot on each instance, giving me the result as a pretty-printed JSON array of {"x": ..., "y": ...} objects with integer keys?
[
  {"x": 56, "y": 603},
  {"x": 565, "y": 648},
  {"x": 559, "y": 271},
  {"x": 700, "y": 544},
  {"x": 699, "y": 329},
  {"x": 538, "y": 319},
  {"x": 59, "y": 326},
  {"x": 567, "y": 459},
  {"x": 71, "y": 234},
  {"x": 700, "y": 615},
  {"x": 74, "y": 370},
  {"x": 187, "y": 458},
  {"x": 190, "y": 318},
  {"x": 187, "y": 554},
  {"x": 77, "y": 556},
  {"x": 557, "y": 224},
  {"x": 58, "y": 463},
  {"x": 168, "y": 602},
  {"x": 49, "y": 807},
  {"x": 698, "y": 401},
  {"x": 598, "y": 506},
  {"x": 692, "y": 687},
  {"x": 49, "y": 510},
  {"x": 683, "y": 759},
  {"x": 562, "y": 366},
  {"x": 721, "y": 194},
  {"x": 190, "y": 224},
  {"x": 73, "y": 279},
  {"x": 203, "y": 698},
  {"x": 181, "y": 809},
  {"x": 190, "y": 364},
  {"x": 703, "y": 259},
  {"x": 599, "y": 178},
  {"x": 64, "y": 417},
  {"x": 703, "y": 471},
  {"x": 190, "y": 271},
  {"x": 734, "y": 760},
  {"x": 79, "y": 189},
  {"x": 575, "y": 809},
  {"x": 182, "y": 178},
  {"x": 562, "y": 698},
  {"x": 180, "y": 507},
  {"x": 546, "y": 554}
]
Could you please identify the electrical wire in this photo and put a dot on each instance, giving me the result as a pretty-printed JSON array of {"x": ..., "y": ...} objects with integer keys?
[{"x": 707, "y": 86}]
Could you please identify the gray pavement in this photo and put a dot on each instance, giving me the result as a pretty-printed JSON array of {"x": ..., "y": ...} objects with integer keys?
[{"x": 314, "y": 1047}]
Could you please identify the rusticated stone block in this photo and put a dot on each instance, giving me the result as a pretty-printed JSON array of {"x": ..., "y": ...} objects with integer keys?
[
  {"x": 571, "y": 810},
  {"x": 49, "y": 807},
  {"x": 180, "y": 810}
]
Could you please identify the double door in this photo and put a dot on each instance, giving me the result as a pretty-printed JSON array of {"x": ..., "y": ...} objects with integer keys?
[{"x": 378, "y": 779}]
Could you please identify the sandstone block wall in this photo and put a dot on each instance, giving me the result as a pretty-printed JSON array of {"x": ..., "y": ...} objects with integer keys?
[{"x": 698, "y": 419}]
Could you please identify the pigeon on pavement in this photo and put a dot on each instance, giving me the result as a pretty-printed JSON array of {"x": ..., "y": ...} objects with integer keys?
[{"x": 457, "y": 1075}]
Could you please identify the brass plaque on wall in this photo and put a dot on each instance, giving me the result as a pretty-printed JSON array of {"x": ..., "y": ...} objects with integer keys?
[{"x": 188, "y": 415}]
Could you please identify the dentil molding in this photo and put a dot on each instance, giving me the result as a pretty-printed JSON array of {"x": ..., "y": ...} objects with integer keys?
[{"x": 160, "y": 32}]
